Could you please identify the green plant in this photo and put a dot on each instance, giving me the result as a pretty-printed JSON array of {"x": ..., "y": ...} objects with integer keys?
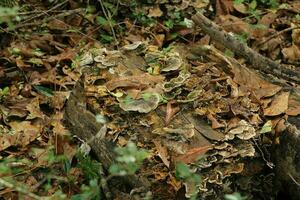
[
  {"x": 4, "y": 92},
  {"x": 143, "y": 19},
  {"x": 189, "y": 177},
  {"x": 89, "y": 166},
  {"x": 9, "y": 15},
  {"x": 234, "y": 196},
  {"x": 89, "y": 192},
  {"x": 253, "y": 3},
  {"x": 243, "y": 37},
  {"x": 129, "y": 160}
]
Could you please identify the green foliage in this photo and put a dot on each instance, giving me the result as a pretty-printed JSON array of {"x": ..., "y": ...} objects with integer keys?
[
  {"x": 242, "y": 37},
  {"x": 90, "y": 192},
  {"x": 143, "y": 19},
  {"x": 184, "y": 173},
  {"x": 44, "y": 90},
  {"x": 105, "y": 22},
  {"x": 169, "y": 23},
  {"x": 129, "y": 160},
  {"x": 234, "y": 196},
  {"x": 253, "y": 3},
  {"x": 106, "y": 38},
  {"x": 9, "y": 15},
  {"x": 4, "y": 92},
  {"x": 89, "y": 166}
]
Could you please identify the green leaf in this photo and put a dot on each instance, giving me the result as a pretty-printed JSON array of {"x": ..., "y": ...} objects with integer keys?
[
  {"x": 102, "y": 21},
  {"x": 92, "y": 191},
  {"x": 129, "y": 160},
  {"x": 237, "y": 2},
  {"x": 89, "y": 166},
  {"x": 44, "y": 90},
  {"x": 106, "y": 38},
  {"x": 267, "y": 127},
  {"x": 4, "y": 91},
  {"x": 234, "y": 196},
  {"x": 169, "y": 23},
  {"x": 182, "y": 171},
  {"x": 253, "y": 5}
]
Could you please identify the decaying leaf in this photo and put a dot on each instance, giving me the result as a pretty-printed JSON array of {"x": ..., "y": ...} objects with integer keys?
[
  {"x": 162, "y": 152},
  {"x": 192, "y": 155},
  {"x": 279, "y": 105},
  {"x": 22, "y": 134},
  {"x": 144, "y": 104}
]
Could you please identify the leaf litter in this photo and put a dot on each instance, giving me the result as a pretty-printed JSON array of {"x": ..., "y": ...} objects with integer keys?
[{"x": 183, "y": 103}]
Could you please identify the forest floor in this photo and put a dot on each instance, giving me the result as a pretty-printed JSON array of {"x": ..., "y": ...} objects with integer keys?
[{"x": 160, "y": 108}]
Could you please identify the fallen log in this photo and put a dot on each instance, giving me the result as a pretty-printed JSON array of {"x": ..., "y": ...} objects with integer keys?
[
  {"x": 286, "y": 155},
  {"x": 258, "y": 61},
  {"x": 82, "y": 123},
  {"x": 287, "y": 161}
]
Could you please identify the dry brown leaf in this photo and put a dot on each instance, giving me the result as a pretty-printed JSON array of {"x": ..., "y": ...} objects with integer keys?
[
  {"x": 214, "y": 122},
  {"x": 155, "y": 12},
  {"x": 34, "y": 109},
  {"x": 24, "y": 133},
  {"x": 234, "y": 24},
  {"x": 162, "y": 152},
  {"x": 67, "y": 54},
  {"x": 57, "y": 24},
  {"x": 224, "y": 7},
  {"x": 193, "y": 154},
  {"x": 171, "y": 112},
  {"x": 139, "y": 82},
  {"x": 291, "y": 53},
  {"x": 204, "y": 129},
  {"x": 279, "y": 105},
  {"x": 249, "y": 80}
]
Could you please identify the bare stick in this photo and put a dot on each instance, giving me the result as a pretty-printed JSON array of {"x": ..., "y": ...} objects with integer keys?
[{"x": 257, "y": 60}]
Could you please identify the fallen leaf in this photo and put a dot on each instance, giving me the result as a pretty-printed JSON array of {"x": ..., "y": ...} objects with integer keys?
[
  {"x": 204, "y": 129},
  {"x": 294, "y": 104},
  {"x": 291, "y": 53},
  {"x": 223, "y": 7},
  {"x": 279, "y": 105},
  {"x": 170, "y": 111},
  {"x": 162, "y": 152},
  {"x": 214, "y": 122},
  {"x": 155, "y": 12},
  {"x": 192, "y": 154}
]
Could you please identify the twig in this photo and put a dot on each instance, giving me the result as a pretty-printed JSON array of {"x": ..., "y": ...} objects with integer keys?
[
  {"x": 46, "y": 12},
  {"x": 276, "y": 35},
  {"x": 293, "y": 179},
  {"x": 48, "y": 19},
  {"x": 109, "y": 21},
  {"x": 257, "y": 60}
]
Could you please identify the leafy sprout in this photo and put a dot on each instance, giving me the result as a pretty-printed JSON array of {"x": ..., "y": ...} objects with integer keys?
[{"x": 129, "y": 160}]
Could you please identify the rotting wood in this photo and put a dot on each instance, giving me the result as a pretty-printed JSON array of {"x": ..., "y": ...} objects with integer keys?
[
  {"x": 287, "y": 161},
  {"x": 83, "y": 124},
  {"x": 258, "y": 61}
]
